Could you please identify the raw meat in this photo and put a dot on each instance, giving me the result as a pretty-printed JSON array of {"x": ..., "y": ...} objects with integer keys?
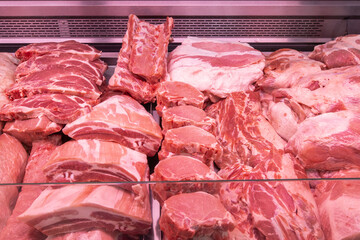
[
  {"x": 338, "y": 203},
  {"x": 285, "y": 67},
  {"x": 8, "y": 65},
  {"x": 192, "y": 141},
  {"x": 180, "y": 116},
  {"x": 70, "y": 80},
  {"x": 96, "y": 161},
  {"x": 244, "y": 134},
  {"x": 330, "y": 141},
  {"x": 327, "y": 91},
  {"x": 271, "y": 209},
  {"x": 343, "y": 51},
  {"x": 215, "y": 67},
  {"x": 170, "y": 94},
  {"x": 15, "y": 229},
  {"x": 120, "y": 119},
  {"x": 13, "y": 159},
  {"x": 83, "y": 207},
  {"x": 196, "y": 215},
  {"x": 73, "y": 47},
  {"x": 123, "y": 79},
  {"x": 32, "y": 129},
  {"x": 59, "y": 108},
  {"x": 86, "y": 235},
  {"x": 149, "y": 49},
  {"x": 182, "y": 168},
  {"x": 45, "y": 62}
]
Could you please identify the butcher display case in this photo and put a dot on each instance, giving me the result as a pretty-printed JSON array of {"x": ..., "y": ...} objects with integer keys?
[{"x": 272, "y": 199}]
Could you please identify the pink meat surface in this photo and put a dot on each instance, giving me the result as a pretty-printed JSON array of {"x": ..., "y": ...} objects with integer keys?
[
  {"x": 13, "y": 159},
  {"x": 59, "y": 108},
  {"x": 338, "y": 203},
  {"x": 330, "y": 141},
  {"x": 83, "y": 207},
  {"x": 195, "y": 215},
  {"x": 33, "y": 129},
  {"x": 244, "y": 134},
  {"x": 73, "y": 47},
  {"x": 96, "y": 161},
  {"x": 123, "y": 78},
  {"x": 284, "y": 68},
  {"x": 70, "y": 80},
  {"x": 216, "y": 68},
  {"x": 86, "y": 235},
  {"x": 343, "y": 51},
  {"x": 45, "y": 62},
  {"x": 8, "y": 65},
  {"x": 120, "y": 119},
  {"x": 192, "y": 141},
  {"x": 180, "y": 116},
  {"x": 14, "y": 228},
  {"x": 182, "y": 168},
  {"x": 170, "y": 94}
]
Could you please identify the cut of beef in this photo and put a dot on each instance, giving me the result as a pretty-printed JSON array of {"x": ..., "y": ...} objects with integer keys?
[
  {"x": 59, "y": 108},
  {"x": 73, "y": 47},
  {"x": 13, "y": 160},
  {"x": 192, "y": 141},
  {"x": 32, "y": 129},
  {"x": 330, "y": 141},
  {"x": 196, "y": 215},
  {"x": 57, "y": 79},
  {"x": 285, "y": 67},
  {"x": 7, "y": 74},
  {"x": 170, "y": 94},
  {"x": 149, "y": 49},
  {"x": 215, "y": 67},
  {"x": 245, "y": 135},
  {"x": 120, "y": 119},
  {"x": 46, "y": 62},
  {"x": 87, "y": 235},
  {"x": 124, "y": 79},
  {"x": 338, "y": 203},
  {"x": 343, "y": 51},
  {"x": 180, "y": 116},
  {"x": 39, "y": 155},
  {"x": 83, "y": 207},
  {"x": 96, "y": 161},
  {"x": 182, "y": 168}
]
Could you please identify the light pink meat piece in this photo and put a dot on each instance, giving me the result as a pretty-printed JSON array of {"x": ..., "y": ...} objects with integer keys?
[
  {"x": 170, "y": 94},
  {"x": 215, "y": 67},
  {"x": 188, "y": 216},
  {"x": 82, "y": 207},
  {"x": 338, "y": 203},
  {"x": 149, "y": 49},
  {"x": 96, "y": 161},
  {"x": 8, "y": 65},
  {"x": 182, "y": 168},
  {"x": 343, "y": 51},
  {"x": 244, "y": 134},
  {"x": 180, "y": 116},
  {"x": 59, "y": 108},
  {"x": 73, "y": 47},
  {"x": 285, "y": 67},
  {"x": 330, "y": 141},
  {"x": 327, "y": 91},
  {"x": 70, "y": 80},
  {"x": 14, "y": 228},
  {"x": 86, "y": 235},
  {"x": 46, "y": 62},
  {"x": 271, "y": 209},
  {"x": 120, "y": 119},
  {"x": 123, "y": 79},
  {"x": 13, "y": 159},
  {"x": 33, "y": 129},
  {"x": 192, "y": 141}
]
